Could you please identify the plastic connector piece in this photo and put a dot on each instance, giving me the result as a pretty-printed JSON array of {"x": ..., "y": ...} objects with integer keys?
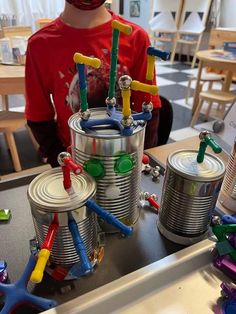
[{"x": 37, "y": 274}]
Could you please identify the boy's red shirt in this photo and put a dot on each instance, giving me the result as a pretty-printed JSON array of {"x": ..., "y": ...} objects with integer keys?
[{"x": 50, "y": 70}]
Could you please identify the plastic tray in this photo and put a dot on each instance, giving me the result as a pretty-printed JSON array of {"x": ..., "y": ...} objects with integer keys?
[{"x": 182, "y": 283}]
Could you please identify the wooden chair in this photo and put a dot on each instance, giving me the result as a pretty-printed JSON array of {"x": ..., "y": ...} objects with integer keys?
[
  {"x": 10, "y": 122},
  {"x": 11, "y": 31},
  {"x": 210, "y": 96},
  {"x": 209, "y": 75},
  {"x": 192, "y": 24},
  {"x": 206, "y": 77},
  {"x": 164, "y": 21},
  {"x": 42, "y": 22}
]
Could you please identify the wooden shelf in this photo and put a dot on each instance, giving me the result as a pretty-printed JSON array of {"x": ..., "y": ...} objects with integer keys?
[{"x": 187, "y": 42}]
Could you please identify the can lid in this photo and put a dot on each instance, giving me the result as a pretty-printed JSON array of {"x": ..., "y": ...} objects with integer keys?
[
  {"x": 46, "y": 192},
  {"x": 104, "y": 131},
  {"x": 184, "y": 162}
]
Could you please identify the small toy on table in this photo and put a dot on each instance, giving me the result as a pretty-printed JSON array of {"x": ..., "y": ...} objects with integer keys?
[
  {"x": 124, "y": 122},
  {"x": 225, "y": 231},
  {"x": 3, "y": 271},
  {"x": 5, "y": 214},
  {"x": 16, "y": 293}
]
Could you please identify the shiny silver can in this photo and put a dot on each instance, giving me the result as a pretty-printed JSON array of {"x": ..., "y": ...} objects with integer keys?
[
  {"x": 227, "y": 195},
  {"x": 189, "y": 196},
  {"x": 47, "y": 197},
  {"x": 116, "y": 192}
]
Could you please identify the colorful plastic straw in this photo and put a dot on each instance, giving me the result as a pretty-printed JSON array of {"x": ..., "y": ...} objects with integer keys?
[
  {"x": 117, "y": 28},
  {"x": 81, "y": 61}
]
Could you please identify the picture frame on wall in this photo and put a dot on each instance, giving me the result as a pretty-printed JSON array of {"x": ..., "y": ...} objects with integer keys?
[
  {"x": 121, "y": 7},
  {"x": 134, "y": 8}
]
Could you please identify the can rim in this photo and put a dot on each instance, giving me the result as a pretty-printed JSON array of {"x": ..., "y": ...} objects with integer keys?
[
  {"x": 193, "y": 177},
  {"x": 75, "y": 202},
  {"x": 78, "y": 130}
]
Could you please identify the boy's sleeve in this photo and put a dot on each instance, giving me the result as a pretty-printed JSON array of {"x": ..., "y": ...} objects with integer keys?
[
  {"x": 45, "y": 134},
  {"x": 39, "y": 109},
  {"x": 139, "y": 68},
  {"x": 38, "y": 103}
]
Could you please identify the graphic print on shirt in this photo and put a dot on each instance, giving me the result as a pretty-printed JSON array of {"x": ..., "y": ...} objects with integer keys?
[{"x": 97, "y": 86}]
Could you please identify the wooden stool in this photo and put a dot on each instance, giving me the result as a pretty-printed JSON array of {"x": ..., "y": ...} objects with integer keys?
[
  {"x": 218, "y": 96},
  {"x": 206, "y": 77},
  {"x": 9, "y": 122}
]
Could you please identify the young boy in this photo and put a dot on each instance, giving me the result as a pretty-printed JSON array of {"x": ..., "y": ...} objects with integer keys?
[{"x": 52, "y": 93}]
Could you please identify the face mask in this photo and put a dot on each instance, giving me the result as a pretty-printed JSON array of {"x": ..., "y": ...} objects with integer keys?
[{"x": 86, "y": 4}]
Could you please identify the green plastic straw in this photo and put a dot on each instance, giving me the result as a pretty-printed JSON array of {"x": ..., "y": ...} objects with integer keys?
[
  {"x": 114, "y": 57},
  {"x": 203, "y": 146}
]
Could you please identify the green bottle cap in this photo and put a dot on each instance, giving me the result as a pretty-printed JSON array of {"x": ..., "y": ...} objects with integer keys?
[
  {"x": 95, "y": 168},
  {"x": 124, "y": 164},
  {"x": 5, "y": 214}
]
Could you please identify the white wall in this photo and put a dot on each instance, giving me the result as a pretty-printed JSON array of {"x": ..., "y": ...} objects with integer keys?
[
  {"x": 228, "y": 13},
  {"x": 227, "y": 17},
  {"x": 115, "y": 6},
  {"x": 145, "y": 13},
  {"x": 28, "y": 11}
]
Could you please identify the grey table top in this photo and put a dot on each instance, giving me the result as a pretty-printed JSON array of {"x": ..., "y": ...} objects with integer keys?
[{"x": 122, "y": 255}]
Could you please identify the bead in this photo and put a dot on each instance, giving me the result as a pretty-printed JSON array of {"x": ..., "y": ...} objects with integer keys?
[
  {"x": 127, "y": 122},
  {"x": 146, "y": 195},
  {"x": 204, "y": 134},
  {"x": 125, "y": 82},
  {"x": 147, "y": 169},
  {"x": 62, "y": 156},
  {"x": 218, "y": 126},
  {"x": 84, "y": 115},
  {"x": 216, "y": 220},
  {"x": 147, "y": 107},
  {"x": 154, "y": 197},
  {"x": 155, "y": 173},
  {"x": 110, "y": 101}
]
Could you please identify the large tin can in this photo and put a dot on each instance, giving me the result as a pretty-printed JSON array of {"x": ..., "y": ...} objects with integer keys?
[
  {"x": 119, "y": 159},
  {"x": 227, "y": 195},
  {"x": 48, "y": 197},
  {"x": 189, "y": 196}
]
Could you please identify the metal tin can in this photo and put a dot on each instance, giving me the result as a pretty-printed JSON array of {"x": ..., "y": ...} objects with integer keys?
[
  {"x": 47, "y": 196},
  {"x": 227, "y": 195},
  {"x": 189, "y": 196},
  {"x": 117, "y": 191}
]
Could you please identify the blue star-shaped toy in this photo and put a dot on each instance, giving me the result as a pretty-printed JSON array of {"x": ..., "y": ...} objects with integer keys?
[{"x": 16, "y": 293}]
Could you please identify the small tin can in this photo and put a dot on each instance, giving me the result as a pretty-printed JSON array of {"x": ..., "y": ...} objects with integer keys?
[
  {"x": 47, "y": 197},
  {"x": 189, "y": 196}
]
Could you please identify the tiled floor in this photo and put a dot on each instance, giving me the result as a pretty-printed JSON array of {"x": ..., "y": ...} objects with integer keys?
[{"x": 172, "y": 80}]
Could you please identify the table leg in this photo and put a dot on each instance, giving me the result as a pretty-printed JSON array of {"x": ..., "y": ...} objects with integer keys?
[
  {"x": 14, "y": 153},
  {"x": 227, "y": 82},
  {"x": 5, "y": 103},
  {"x": 197, "y": 88}
]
